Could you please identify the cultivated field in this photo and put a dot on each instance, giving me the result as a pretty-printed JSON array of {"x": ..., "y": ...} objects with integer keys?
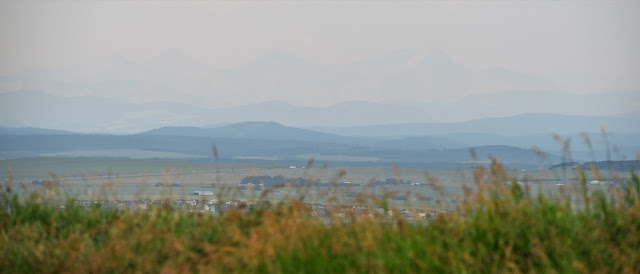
[{"x": 133, "y": 179}]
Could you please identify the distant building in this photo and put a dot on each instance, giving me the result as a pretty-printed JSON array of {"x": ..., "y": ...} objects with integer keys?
[{"x": 203, "y": 193}]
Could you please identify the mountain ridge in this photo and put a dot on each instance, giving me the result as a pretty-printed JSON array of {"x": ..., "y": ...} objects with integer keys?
[
  {"x": 110, "y": 115},
  {"x": 249, "y": 130},
  {"x": 526, "y": 123},
  {"x": 522, "y": 131}
]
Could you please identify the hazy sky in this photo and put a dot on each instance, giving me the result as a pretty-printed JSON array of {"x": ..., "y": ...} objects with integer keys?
[{"x": 121, "y": 48}]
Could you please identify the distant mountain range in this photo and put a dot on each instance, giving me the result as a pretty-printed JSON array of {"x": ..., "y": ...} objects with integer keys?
[
  {"x": 125, "y": 97},
  {"x": 415, "y": 109},
  {"x": 108, "y": 115},
  {"x": 523, "y": 124},
  {"x": 33, "y": 131},
  {"x": 440, "y": 145}
]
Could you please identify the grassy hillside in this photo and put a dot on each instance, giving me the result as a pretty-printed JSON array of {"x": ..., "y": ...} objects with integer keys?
[{"x": 499, "y": 228}]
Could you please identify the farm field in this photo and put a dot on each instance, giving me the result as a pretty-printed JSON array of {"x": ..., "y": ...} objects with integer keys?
[{"x": 134, "y": 179}]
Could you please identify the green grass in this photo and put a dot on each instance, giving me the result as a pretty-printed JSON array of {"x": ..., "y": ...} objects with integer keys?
[{"x": 499, "y": 228}]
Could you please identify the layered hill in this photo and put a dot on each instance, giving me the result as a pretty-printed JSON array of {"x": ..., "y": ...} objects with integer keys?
[
  {"x": 516, "y": 140},
  {"x": 250, "y": 130},
  {"x": 266, "y": 141}
]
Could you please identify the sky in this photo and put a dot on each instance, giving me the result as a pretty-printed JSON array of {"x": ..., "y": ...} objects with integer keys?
[{"x": 216, "y": 54}]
